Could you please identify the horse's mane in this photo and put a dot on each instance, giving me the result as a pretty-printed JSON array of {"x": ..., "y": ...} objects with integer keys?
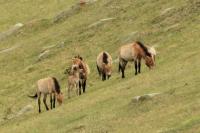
[
  {"x": 79, "y": 57},
  {"x": 144, "y": 48},
  {"x": 105, "y": 58},
  {"x": 57, "y": 86}
]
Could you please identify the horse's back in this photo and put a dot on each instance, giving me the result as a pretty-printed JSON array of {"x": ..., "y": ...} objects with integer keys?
[
  {"x": 103, "y": 57},
  {"x": 46, "y": 85},
  {"x": 128, "y": 52}
]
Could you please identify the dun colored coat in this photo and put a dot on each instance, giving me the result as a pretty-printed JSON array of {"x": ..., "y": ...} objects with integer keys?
[
  {"x": 73, "y": 80},
  {"x": 49, "y": 86},
  {"x": 134, "y": 52},
  {"x": 83, "y": 72},
  {"x": 104, "y": 65}
]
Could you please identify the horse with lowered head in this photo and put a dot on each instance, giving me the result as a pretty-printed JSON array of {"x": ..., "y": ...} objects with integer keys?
[
  {"x": 104, "y": 65},
  {"x": 135, "y": 52},
  {"x": 49, "y": 86},
  {"x": 84, "y": 71}
]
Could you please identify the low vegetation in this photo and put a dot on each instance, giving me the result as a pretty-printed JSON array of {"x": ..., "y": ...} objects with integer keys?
[{"x": 171, "y": 26}]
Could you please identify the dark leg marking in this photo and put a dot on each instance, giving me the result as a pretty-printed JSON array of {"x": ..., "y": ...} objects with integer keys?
[
  {"x": 139, "y": 66},
  {"x": 44, "y": 101},
  {"x": 80, "y": 87},
  {"x": 54, "y": 100},
  {"x": 39, "y": 103},
  {"x": 103, "y": 76},
  {"x": 135, "y": 62},
  {"x": 51, "y": 101},
  {"x": 123, "y": 68},
  {"x": 84, "y": 86}
]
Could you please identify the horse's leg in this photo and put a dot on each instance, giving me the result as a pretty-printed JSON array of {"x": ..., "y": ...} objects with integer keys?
[
  {"x": 44, "y": 101},
  {"x": 39, "y": 103},
  {"x": 84, "y": 86},
  {"x": 103, "y": 76},
  {"x": 51, "y": 100},
  {"x": 119, "y": 67},
  {"x": 80, "y": 84},
  {"x": 68, "y": 91},
  {"x": 139, "y": 65},
  {"x": 77, "y": 89},
  {"x": 98, "y": 70},
  {"x": 54, "y": 100},
  {"x": 135, "y": 62},
  {"x": 123, "y": 68}
]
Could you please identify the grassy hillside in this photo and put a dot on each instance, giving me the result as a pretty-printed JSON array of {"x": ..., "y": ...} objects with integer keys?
[{"x": 172, "y": 26}]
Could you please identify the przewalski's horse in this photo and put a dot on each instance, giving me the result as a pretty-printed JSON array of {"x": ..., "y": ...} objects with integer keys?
[
  {"x": 49, "y": 86},
  {"x": 135, "y": 52},
  {"x": 83, "y": 72},
  {"x": 104, "y": 65},
  {"x": 73, "y": 79}
]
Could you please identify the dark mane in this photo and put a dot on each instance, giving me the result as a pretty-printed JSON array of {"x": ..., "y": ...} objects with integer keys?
[
  {"x": 145, "y": 49},
  {"x": 105, "y": 58},
  {"x": 57, "y": 86},
  {"x": 79, "y": 57}
]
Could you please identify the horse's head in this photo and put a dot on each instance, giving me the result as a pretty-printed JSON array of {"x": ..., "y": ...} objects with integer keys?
[
  {"x": 60, "y": 98},
  {"x": 150, "y": 60}
]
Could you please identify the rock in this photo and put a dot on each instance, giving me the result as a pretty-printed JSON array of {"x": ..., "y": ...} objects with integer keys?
[
  {"x": 145, "y": 97},
  {"x": 166, "y": 10},
  {"x": 43, "y": 55},
  {"x": 172, "y": 27},
  {"x": 24, "y": 110},
  {"x": 11, "y": 31},
  {"x": 67, "y": 13},
  {"x": 100, "y": 22},
  {"x": 9, "y": 49}
]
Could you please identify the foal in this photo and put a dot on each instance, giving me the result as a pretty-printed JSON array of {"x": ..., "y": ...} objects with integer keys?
[
  {"x": 135, "y": 52},
  {"x": 73, "y": 80},
  {"x": 49, "y": 86}
]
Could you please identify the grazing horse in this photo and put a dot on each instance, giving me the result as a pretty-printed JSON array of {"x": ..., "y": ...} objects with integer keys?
[
  {"x": 73, "y": 79},
  {"x": 83, "y": 72},
  {"x": 135, "y": 52},
  {"x": 104, "y": 65},
  {"x": 49, "y": 86}
]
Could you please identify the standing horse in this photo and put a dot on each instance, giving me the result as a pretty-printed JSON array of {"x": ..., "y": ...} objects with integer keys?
[
  {"x": 135, "y": 52},
  {"x": 83, "y": 73},
  {"x": 49, "y": 86},
  {"x": 73, "y": 79},
  {"x": 104, "y": 65}
]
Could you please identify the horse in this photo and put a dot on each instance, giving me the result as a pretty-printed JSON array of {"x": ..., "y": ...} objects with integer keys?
[
  {"x": 83, "y": 73},
  {"x": 49, "y": 86},
  {"x": 104, "y": 65},
  {"x": 73, "y": 79},
  {"x": 135, "y": 52}
]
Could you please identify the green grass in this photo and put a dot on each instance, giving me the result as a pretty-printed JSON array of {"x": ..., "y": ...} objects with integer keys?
[{"x": 107, "y": 106}]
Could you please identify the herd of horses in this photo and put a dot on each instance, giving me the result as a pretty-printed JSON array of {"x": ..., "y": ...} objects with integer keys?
[{"x": 79, "y": 70}]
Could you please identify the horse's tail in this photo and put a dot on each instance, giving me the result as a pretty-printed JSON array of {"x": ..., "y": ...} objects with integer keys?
[{"x": 34, "y": 97}]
